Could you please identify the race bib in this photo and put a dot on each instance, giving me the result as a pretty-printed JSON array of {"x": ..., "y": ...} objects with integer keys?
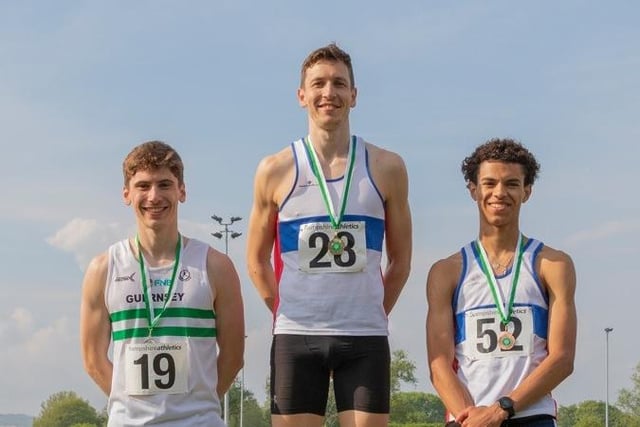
[
  {"x": 487, "y": 337},
  {"x": 156, "y": 368},
  {"x": 323, "y": 249}
]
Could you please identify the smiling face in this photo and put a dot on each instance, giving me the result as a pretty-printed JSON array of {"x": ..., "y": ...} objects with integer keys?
[
  {"x": 154, "y": 196},
  {"x": 328, "y": 94},
  {"x": 499, "y": 191}
]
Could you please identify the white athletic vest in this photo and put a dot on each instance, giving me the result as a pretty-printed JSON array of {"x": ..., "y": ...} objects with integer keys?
[
  {"x": 487, "y": 370},
  {"x": 320, "y": 293},
  {"x": 189, "y": 320}
]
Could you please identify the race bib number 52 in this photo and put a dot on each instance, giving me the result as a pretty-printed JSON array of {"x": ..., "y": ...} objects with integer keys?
[
  {"x": 487, "y": 337},
  {"x": 154, "y": 368},
  {"x": 323, "y": 249}
]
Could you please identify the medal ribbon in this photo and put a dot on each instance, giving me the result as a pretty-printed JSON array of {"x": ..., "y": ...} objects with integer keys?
[
  {"x": 505, "y": 310},
  {"x": 322, "y": 182},
  {"x": 153, "y": 319}
]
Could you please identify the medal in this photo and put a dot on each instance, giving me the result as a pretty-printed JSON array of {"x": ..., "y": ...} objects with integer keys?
[
  {"x": 336, "y": 245},
  {"x": 506, "y": 340}
]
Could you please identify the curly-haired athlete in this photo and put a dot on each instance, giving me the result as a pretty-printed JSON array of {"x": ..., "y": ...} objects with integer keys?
[{"x": 501, "y": 323}]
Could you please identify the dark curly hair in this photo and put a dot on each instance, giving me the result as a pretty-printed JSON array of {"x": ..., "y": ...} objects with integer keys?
[{"x": 502, "y": 150}]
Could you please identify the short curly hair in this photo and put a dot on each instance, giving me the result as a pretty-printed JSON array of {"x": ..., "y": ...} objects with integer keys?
[
  {"x": 150, "y": 156},
  {"x": 502, "y": 150}
]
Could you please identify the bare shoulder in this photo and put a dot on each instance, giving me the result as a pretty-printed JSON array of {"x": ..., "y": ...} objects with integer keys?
[
  {"x": 275, "y": 175},
  {"x": 555, "y": 268},
  {"x": 445, "y": 273},
  {"x": 274, "y": 165},
  {"x": 389, "y": 173},
  {"x": 97, "y": 268},
  {"x": 384, "y": 160},
  {"x": 95, "y": 279}
]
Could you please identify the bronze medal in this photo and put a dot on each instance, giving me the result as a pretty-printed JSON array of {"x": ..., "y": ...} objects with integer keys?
[
  {"x": 506, "y": 340},
  {"x": 336, "y": 245}
]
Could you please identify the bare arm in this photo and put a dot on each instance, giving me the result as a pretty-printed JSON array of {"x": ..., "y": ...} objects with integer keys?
[
  {"x": 390, "y": 175},
  {"x": 558, "y": 274},
  {"x": 441, "y": 283},
  {"x": 262, "y": 224},
  {"x": 229, "y": 317},
  {"x": 95, "y": 326}
]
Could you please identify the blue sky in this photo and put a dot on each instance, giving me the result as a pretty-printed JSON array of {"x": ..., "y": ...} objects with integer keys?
[{"x": 82, "y": 82}]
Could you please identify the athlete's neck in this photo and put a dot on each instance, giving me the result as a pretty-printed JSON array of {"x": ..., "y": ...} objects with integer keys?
[
  {"x": 498, "y": 242},
  {"x": 158, "y": 246},
  {"x": 330, "y": 144}
]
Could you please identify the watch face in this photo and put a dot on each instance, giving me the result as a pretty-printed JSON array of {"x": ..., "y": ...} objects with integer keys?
[{"x": 507, "y": 404}]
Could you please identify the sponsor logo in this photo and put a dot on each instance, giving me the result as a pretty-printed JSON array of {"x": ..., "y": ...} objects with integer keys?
[
  {"x": 308, "y": 184},
  {"x": 126, "y": 278}
]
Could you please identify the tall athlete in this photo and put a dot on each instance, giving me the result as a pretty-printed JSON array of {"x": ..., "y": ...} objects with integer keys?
[
  {"x": 326, "y": 205},
  {"x": 501, "y": 325},
  {"x": 167, "y": 303}
]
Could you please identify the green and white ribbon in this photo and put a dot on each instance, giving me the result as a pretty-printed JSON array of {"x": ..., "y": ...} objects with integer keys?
[
  {"x": 322, "y": 182},
  {"x": 504, "y": 309},
  {"x": 151, "y": 316}
]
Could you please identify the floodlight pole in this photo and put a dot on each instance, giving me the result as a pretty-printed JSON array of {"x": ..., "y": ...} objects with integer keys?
[
  {"x": 606, "y": 375},
  {"x": 218, "y": 235}
]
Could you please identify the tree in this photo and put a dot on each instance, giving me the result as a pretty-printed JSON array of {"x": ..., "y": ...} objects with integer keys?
[
  {"x": 416, "y": 407},
  {"x": 629, "y": 400},
  {"x": 592, "y": 413},
  {"x": 252, "y": 413},
  {"x": 402, "y": 370},
  {"x": 66, "y": 408}
]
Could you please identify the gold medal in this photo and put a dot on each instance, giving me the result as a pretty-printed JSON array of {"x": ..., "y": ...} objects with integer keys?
[
  {"x": 336, "y": 245},
  {"x": 506, "y": 340}
]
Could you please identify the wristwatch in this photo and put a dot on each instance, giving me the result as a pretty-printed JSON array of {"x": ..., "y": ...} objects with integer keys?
[{"x": 506, "y": 403}]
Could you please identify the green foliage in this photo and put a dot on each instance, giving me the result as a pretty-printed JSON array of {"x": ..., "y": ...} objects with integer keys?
[
  {"x": 592, "y": 413},
  {"x": 402, "y": 370},
  {"x": 629, "y": 400},
  {"x": 66, "y": 408},
  {"x": 416, "y": 407},
  {"x": 252, "y": 414}
]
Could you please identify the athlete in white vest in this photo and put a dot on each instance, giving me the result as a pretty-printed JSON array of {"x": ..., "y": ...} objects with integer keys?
[
  {"x": 501, "y": 323},
  {"x": 170, "y": 306},
  {"x": 325, "y": 207}
]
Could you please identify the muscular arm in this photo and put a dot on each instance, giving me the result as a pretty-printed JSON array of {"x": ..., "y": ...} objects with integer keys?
[
  {"x": 390, "y": 174},
  {"x": 441, "y": 283},
  {"x": 262, "y": 224},
  {"x": 229, "y": 318},
  {"x": 95, "y": 326},
  {"x": 558, "y": 274}
]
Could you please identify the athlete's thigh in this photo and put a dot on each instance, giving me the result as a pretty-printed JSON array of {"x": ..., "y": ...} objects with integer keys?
[
  {"x": 299, "y": 378},
  {"x": 362, "y": 419},
  {"x": 362, "y": 380}
]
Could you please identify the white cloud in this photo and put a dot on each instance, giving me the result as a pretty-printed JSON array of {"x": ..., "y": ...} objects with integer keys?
[
  {"x": 86, "y": 238},
  {"x": 604, "y": 231}
]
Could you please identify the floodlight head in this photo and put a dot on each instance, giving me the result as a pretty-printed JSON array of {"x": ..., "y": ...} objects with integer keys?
[
  {"x": 235, "y": 218},
  {"x": 235, "y": 234},
  {"x": 217, "y": 235},
  {"x": 608, "y": 329},
  {"x": 216, "y": 218}
]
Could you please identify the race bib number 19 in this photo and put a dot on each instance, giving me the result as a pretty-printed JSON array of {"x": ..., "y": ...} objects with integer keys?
[
  {"x": 155, "y": 368},
  {"x": 315, "y": 252}
]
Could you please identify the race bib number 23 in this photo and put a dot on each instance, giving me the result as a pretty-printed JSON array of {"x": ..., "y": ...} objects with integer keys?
[{"x": 317, "y": 255}]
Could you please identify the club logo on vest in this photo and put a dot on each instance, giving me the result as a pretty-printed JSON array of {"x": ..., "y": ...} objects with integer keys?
[{"x": 184, "y": 275}]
